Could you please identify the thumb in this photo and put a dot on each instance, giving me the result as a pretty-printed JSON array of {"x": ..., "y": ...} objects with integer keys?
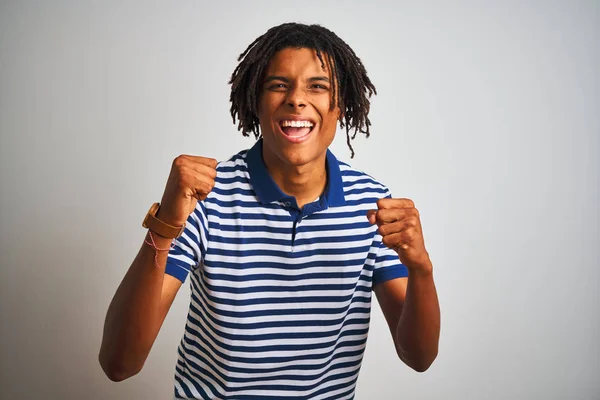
[{"x": 372, "y": 216}]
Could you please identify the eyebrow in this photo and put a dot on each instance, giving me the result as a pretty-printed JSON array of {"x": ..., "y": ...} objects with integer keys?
[
  {"x": 319, "y": 79},
  {"x": 272, "y": 78}
]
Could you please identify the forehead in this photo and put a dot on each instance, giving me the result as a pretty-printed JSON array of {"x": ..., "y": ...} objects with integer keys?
[{"x": 297, "y": 61}]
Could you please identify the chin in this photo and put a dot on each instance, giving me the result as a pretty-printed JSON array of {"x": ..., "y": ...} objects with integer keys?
[
  {"x": 294, "y": 154},
  {"x": 297, "y": 157}
]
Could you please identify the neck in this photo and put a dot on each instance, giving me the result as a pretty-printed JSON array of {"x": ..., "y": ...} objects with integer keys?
[{"x": 305, "y": 182}]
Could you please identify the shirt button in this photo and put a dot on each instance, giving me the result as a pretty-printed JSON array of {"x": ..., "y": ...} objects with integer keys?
[{"x": 287, "y": 204}]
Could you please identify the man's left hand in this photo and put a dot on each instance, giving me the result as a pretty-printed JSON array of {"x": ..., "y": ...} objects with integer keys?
[{"x": 400, "y": 226}]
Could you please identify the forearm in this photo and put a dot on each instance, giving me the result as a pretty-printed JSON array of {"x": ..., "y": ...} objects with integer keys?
[
  {"x": 134, "y": 316},
  {"x": 418, "y": 330}
]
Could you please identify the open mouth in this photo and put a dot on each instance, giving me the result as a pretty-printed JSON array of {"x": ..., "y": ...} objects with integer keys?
[{"x": 296, "y": 130}]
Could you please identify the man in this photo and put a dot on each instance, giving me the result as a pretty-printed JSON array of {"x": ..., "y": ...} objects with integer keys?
[{"x": 283, "y": 244}]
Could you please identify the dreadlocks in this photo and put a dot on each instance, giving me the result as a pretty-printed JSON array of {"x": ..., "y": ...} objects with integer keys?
[{"x": 354, "y": 86}]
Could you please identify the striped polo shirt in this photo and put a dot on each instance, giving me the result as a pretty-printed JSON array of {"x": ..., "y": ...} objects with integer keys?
[{"x": 280, "y": 296}]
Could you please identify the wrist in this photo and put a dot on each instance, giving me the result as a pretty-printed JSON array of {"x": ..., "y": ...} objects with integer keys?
[
  {"x": 161, "y": 227},
  {"x": 159, "y": 244},
  {"x": 422, "y": 269},
  {"x": 160, "y": 239},
  {"x": 165, "y": 217}
]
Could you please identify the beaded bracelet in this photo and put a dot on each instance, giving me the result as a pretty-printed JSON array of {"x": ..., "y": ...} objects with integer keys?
[{"x": 156, "y": 249}]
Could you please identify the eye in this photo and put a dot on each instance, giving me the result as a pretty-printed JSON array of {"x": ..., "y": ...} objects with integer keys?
[
  {"x": 318, "y": 86},
  {"x": 278, "y": 87}
]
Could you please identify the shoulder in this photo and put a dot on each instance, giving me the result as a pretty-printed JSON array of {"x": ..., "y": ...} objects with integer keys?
[
  {"x": 237, "y": 164},
  {"x": 356, "y": 181},
  {"x": 231, "y": 182}
]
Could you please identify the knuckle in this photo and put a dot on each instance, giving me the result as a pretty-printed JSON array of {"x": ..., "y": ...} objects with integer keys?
[
  {"x": 179, "y": 161},
  {"x": 382, "y": 202},
  {"x": 208, "y": 161},
  {"x": 383, "y": 230},
  {"x": 387, "y": 241},
  {"x": 408, "y": 203}
]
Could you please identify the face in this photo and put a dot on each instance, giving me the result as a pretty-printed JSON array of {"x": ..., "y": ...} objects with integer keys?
[{"x": 296, "y": 119}]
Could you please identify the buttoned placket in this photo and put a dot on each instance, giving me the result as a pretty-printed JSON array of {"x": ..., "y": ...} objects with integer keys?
[{"x": 298, "y": 216}]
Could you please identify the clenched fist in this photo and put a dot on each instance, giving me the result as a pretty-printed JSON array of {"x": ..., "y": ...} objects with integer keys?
[
  {"x": 191, "y": 179},
  {"x": 400, "y": 227}
]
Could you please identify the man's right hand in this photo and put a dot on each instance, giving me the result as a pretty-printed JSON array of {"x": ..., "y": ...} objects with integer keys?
[
  {"x": 191, "y": 179},
  {"x": 146, "y": 293}
]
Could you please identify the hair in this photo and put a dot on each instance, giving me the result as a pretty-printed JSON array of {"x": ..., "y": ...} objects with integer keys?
[{"x": 352, "y": 93}]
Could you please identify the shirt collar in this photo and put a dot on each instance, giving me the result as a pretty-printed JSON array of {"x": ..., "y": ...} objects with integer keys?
[{"x": 267, "y": 190}]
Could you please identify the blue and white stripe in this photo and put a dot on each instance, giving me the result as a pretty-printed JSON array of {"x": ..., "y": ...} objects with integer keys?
[{"x": 280, "y": 298}]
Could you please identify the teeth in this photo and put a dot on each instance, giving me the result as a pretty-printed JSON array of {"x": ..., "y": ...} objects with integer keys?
[{"x": 297, "y": 124}]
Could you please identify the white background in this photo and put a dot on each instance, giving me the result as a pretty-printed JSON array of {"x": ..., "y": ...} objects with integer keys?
[{"x": 487, "y": 117}]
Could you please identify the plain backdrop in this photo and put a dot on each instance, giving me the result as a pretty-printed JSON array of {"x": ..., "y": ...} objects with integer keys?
[{"x": 487, "y": 116}]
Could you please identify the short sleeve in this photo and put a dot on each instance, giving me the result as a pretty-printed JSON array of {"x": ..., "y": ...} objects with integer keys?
[
  {"x": 190, "y": 248},
  {"x": 387, "y": 264}
]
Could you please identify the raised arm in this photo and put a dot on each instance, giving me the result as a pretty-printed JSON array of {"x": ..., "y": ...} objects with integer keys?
[
  {"x": 146, "y": 293},
  {"x": 410, "y": 305}
]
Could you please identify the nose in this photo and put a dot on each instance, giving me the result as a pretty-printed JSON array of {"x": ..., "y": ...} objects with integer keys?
[{"x": 295, "y": 98}]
